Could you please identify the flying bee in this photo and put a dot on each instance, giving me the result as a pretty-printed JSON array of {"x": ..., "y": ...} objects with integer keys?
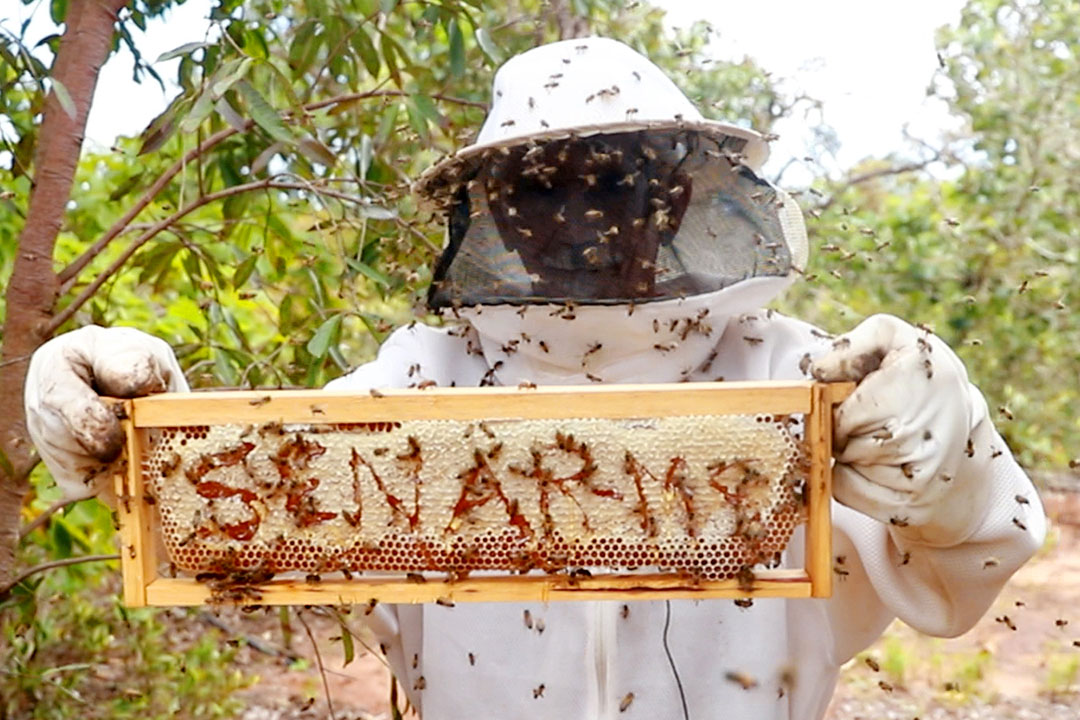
[
  {"x": 743, "y": 679},
  {"x": 990, "y": 562},
  {"x": 1006, "y": 621}
]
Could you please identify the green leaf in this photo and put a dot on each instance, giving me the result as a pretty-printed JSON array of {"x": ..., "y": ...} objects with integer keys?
[
  {"x": 244, "y": 270},
  {"x": 126, "y": 186},
  {"x": 224, "y": 369},
  {"x": 317, "y": 152},
  {"x": 229, "y": 74},
  {"x": 226, "y": 110},
  {"x": 58, "y": 10},
  {"x": 365, "y": 155},
  {"x": 426, "y": 107},
  {"x": 319, "y": 343},
  {"x": 60, "y": 538},
  {"x": 346, "y": 642},
  {"x": 457, "y": 49},
  {"x": 388, "y": 51},
  {"x": 487, "y": 46},
  {"x": 285, "y": 315},
  {"x": 361, "y": 42},
  {"x": 185, "y": 49},
  {"x": 263, "y": 113},
  {"x": 204, "y": 105},
  {"x": 63, "y": 97},
  {"x": 368, "y": 272}
]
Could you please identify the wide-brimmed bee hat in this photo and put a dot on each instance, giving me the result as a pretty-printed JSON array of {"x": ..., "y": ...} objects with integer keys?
[{"x": 594, "y": 179}]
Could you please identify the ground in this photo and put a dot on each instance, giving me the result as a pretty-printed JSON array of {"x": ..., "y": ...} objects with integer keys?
[{"x": 993, "y": 672}]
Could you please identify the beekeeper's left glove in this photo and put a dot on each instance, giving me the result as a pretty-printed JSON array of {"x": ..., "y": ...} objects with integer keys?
[{"x": 913, "y": 442}]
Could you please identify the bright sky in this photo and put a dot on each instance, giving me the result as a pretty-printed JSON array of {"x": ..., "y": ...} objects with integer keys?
[{"x": 869, "y": 62}]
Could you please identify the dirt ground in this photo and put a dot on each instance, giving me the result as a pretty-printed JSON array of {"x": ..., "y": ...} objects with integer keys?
[{"x": 1024, "y": 668}]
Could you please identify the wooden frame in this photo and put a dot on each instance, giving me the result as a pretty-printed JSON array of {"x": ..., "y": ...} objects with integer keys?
[{"x": 139, "y": 561}]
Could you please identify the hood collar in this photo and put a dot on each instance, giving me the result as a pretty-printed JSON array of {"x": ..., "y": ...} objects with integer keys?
[{"x": 657, "y": 342}]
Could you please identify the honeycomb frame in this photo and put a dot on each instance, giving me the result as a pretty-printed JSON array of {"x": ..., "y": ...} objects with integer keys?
[{"x": 239, "y": 577}]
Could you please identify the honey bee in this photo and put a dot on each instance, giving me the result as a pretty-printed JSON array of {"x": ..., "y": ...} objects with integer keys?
[
  {"x": 743, "y": 679},
  {"x": 872, "y": 663},
  {"x": 625, "y": 704}
]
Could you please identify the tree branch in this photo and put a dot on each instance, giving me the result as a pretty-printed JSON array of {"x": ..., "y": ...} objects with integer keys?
[
  {"x": 268, "y": 184},
  {"x": 48, "y": 513},
  {"x": 318, "y": 659},
  {"x": 873, "y": 175},
  {"x": 6, "y": 589},
  {"x": 67, "y": 276}
]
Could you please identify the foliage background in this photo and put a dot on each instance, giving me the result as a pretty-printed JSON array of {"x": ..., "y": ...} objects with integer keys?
[{"x": 277, "y": 245}]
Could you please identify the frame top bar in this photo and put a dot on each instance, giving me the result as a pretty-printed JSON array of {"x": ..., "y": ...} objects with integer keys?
[{"x": 484, "y": 403}]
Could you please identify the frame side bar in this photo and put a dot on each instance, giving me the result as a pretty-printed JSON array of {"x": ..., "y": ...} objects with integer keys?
[{"x": 137, "y": 549}]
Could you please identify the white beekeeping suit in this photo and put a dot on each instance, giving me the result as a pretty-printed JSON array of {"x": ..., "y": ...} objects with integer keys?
[{"x": 601, "y": 231}]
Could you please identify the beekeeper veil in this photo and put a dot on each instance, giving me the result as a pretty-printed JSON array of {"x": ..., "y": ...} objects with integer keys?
[{"x": 595, "y": 182}]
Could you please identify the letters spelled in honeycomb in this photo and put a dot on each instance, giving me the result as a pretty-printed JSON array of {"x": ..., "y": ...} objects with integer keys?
[{"x": 705, "y": 484}]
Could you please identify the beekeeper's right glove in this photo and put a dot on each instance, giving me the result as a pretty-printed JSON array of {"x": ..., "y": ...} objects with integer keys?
[{"x": 75, "y": 433}]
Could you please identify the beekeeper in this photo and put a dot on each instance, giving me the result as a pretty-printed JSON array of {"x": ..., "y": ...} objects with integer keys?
[{"x": 600, "y": 230}]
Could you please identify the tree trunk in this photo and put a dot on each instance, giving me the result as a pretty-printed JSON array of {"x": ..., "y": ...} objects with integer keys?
[{"x": 31, "y": 294}]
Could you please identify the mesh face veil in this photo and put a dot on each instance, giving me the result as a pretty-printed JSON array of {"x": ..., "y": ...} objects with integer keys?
[{"x": 612, "y": 218}]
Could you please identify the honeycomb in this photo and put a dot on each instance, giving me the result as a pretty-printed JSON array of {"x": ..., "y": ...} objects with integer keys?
[{"x": 707, "y": 496}]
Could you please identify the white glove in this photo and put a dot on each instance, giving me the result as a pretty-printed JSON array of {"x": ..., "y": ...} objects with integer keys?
[
  {"x": 76, "y": 434},
  {"x": 913, "y": 442}
]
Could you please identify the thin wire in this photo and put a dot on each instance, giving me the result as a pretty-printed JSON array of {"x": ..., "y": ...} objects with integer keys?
[{"x": 671, "y": 660}]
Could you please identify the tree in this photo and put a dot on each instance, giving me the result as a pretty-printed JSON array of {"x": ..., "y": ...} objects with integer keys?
[{"x": 987, "y": 258}]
